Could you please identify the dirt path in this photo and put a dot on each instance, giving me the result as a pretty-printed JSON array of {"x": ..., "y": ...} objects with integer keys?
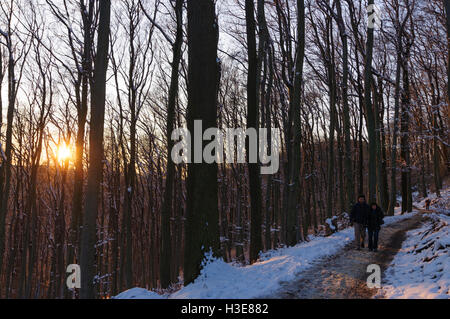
[{"x": 344, "y": 274}]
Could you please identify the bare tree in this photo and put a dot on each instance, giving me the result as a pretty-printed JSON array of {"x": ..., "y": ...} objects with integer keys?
[
  {"x": 95, "y": 171},
  {"x": 202, "y": 229},
  {"x": 295, "y": 127},
  {"x": 7, "y": 10}
]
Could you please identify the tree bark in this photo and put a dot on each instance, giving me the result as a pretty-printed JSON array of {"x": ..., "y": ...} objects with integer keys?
[
  {"x": 350, "y": 188},
  {"x": 447, "y": 14},
  {"x": 370, "y": 117},
  {"x": 77, "y": 199},
  {"x": 252, "y": 122},
  {"x": 202, "y": 229},
  {"x": 293, "y": 188},
  {"x": 95, "y": 170},
  {"x": 5, "y": 170},
  {"x": 399, "y": 50},
  {"x": 404, "y": 140},
  {"x": 165, "y": 262}
]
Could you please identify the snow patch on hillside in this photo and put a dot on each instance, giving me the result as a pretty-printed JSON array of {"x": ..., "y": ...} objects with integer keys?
[
  {"x": 223, "y": 280},
  {"x": 139, "y": 293},
  {"x": 421, "y": 269}
]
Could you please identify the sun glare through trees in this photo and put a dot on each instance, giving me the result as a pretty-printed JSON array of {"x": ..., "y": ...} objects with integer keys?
[{"x": 64, "y": 153}]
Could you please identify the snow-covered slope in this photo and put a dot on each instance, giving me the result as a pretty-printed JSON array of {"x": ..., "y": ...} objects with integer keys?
[
  {"x": 421, "y": 269},
  {"x": 224, "y": 280},
  {"x": 139, "y": 293}
]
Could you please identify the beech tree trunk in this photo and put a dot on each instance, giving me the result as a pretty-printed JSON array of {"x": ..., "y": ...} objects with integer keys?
[
  {"x": 5, "y": 170},
  {"x": 350, "y": 188},
  {"x": 370, "y": 117},
  {"x": 295, "y": 106},
  {"x": 95, "y": 170},
  {"x": 202, "y": 215},
  {"x": 165, "y": 262}
]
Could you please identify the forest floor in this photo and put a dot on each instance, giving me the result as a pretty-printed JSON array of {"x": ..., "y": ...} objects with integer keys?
[
  {"x": 413, "y": 254},
  {"x": 344, "y": 274}
]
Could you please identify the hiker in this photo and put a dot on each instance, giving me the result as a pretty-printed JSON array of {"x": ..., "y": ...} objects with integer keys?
[
  {"x": 427, "y": 204},
  {"x": 358, "y": 216},
  {"x": 374, "y": 222}
]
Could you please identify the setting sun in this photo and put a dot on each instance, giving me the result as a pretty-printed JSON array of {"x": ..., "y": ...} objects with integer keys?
[{"x": 64, "y": 153}]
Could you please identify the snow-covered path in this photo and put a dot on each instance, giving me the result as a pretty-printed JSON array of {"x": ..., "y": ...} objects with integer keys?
[
  {"x": 344, "y": 275},
  {"x": 278, "y": 272},
  {"x": 329, "y": 267}
]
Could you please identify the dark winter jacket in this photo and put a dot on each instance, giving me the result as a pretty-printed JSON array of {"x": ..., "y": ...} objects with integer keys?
[
  {"x": 375, "y": 218},
  {"x": 359, "y": 213}
]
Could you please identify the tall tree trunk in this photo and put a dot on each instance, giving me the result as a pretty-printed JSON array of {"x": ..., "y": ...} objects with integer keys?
[
  {"x": 370, "y": 117},
  {"x": 253, "y": 122},
  {"x": 360, "y": 148},
  {"x": 82, "y": 91},
  {"x": 447, "y": 14},
  {"x": 202, "y": 229},
  {"x": 295, "y": 127},
  {"x": 165, "y": 261},
  {"x": 77, "y": 199},
  {"x": 265, "y": 37},
  {"x": 332, "y": 96},
  {"x": 95, "y": 170},
  {"x": 404, "y": 140},
  {"x": 393, "y": 193},
  {"x": 5, "y": 170},
  {"x": 384, "y": 176},
  {"x": 378, "y": 96},
  {"x": 130, "y": 176},
  {"x": 350, "y": 188},
  {"x": 436, "y": 157}
]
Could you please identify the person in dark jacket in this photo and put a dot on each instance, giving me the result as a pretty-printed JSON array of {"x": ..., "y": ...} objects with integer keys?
[
  {"x": 374, "y": 222},
  {"x": 427, "y": 204},
  {"x": 358, "y": 217}
]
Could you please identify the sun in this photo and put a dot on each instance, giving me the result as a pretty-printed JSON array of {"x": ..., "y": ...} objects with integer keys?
[{"x": 64, "y": 153}]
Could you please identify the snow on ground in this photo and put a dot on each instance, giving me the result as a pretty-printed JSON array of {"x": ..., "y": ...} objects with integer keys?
[
  {"x": 139, "y": 293},
  {"x": 421, "y": 269},
  {"x": 220, "y": 280},
  {"x": 397, "y": 218},
  {"x": 438, "y": 204}
]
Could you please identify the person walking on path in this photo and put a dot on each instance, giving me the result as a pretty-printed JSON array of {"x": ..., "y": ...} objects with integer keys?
[
  {"x": 427, "y": 204},
  {"x": 358, "y": 216},
  {"x": 374, "y": 222}
]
